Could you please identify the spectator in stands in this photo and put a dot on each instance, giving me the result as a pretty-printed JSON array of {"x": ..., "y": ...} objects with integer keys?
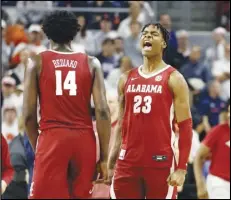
[
  {"x": 134, "y": 16},
  {"x": 5, "y": 48},
  {"x": 7, "y": 171},
  {"x": 84, "y": 36},
  {"x": 119, "y": 48},
  {"x": 211, "y": 106},
  {"x": 194, "y": 68},
  {"x": 132, "y": 44},
  {"x": 217, "y": 51},
  {"x": 96, "y": 17},
  {"x": 166, "y": 22},
  {"x": 171, "y": 50},
  {"x": 22, "y": 158},
  {"x": 10, "y": 122},
  {"x": 221, "y": 71},
  {"x": 35, "y": 39},
  {"x": 18, "y": 71},
  {"x": 105, "y": 31},
  {"x": 29, "y": 17},
  {"x": 113, "y": 77},
  {"x": 180, "y": 57},
  {"x": 147, "y": 11},
  {"x": 107, "y": 56}
]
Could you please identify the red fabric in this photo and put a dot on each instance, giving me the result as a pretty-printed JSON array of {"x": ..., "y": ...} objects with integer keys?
[
  {"x": 148, "y": 118},
  {"x": 185, "y": 142},
  {"x": 218, "y": 140},
  {"x": 62, "y": 152},
  {"x": 138, "y": 183},
  {"x": 7, "y": 169},
  {"x": 70, "y": 108}
]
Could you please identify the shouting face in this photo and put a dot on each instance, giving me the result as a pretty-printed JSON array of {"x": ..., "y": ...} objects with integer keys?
[{"x": 152, "y": 42}]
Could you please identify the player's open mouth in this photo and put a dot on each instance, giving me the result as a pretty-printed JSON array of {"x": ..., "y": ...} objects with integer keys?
[{"x": 147, "y": 46}]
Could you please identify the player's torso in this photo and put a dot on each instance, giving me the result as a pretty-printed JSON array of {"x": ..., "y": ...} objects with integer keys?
[
  {"x": 147, "y": 124},
  {"x": 65, "y": 89},
  {"x": 221, "y": 154}
]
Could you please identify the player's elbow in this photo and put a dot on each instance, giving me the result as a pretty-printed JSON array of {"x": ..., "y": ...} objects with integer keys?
[{"x": 102, "y": 112}]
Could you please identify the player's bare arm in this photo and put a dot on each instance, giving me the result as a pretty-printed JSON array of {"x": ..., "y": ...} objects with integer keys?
[
  {"x": 102, "y": 112},
  {"x": 180, "y": 91},
  {"x": 117, "y": 137},
  {"x": 198, "y": 163},
  {"x": 30, "y": 99}
]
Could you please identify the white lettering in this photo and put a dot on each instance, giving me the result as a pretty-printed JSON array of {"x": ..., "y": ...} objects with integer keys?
[{"x": 145, "y": 88}]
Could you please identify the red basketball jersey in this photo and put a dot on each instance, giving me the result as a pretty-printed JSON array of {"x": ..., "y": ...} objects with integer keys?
[
  {"x": 65, "y": 90},
  {"x": 147, "y": 128}
]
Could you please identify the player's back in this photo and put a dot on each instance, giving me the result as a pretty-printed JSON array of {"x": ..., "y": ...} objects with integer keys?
[{"x": 65, "y": 85}]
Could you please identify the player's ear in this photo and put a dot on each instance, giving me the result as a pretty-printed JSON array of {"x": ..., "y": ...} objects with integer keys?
[{"x": 164, "y": 44}]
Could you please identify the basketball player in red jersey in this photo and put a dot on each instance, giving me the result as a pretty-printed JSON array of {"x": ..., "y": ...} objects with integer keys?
[
  {"x": 217, "y": 145},
  {"x": 150, "y": 96},
  {"x": 64, "y": 80}
]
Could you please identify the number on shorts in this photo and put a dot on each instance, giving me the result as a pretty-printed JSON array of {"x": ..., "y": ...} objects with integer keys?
[
  {"x": 144, "y": 109},
  {"x": 69, "y": 83}
]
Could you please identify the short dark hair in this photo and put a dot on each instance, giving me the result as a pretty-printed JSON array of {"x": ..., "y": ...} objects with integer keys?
[
  {"x": 108, "y": 40},
  {"x": 164, "y": 31},
  {"x": 60, "y": 26}
]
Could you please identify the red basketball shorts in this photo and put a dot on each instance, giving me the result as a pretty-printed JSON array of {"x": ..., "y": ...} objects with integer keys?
[
  {"x": 65, "y": 163},
  {"x": 141, "y": 183}
]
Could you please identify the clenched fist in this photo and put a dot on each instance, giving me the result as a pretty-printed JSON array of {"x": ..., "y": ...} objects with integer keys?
[{"x": 177, "y": 178}]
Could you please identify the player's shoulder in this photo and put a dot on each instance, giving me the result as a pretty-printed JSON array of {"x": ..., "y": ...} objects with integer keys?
[
  {"x": 216, "y": 132},
  {"x": 93, "y": 62}
]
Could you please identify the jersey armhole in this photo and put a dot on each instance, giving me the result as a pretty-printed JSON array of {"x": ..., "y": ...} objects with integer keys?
[
  {"x": 40, "y": 74},
  {"x": 168, "y": 77}
]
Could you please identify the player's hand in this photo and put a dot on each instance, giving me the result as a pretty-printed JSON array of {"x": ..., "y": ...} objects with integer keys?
[
  {"x": 102, "y": 170},
  {"x": 177, "y": 178},
  {"x": 110, "y": 176},
  {"x": 3, "y": 187},
  {"x": 202, "y": 192}
]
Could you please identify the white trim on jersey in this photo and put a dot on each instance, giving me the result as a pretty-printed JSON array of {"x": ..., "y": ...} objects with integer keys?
[
  {"x": 217, "y": 187},
  {"x": 112, "y": 192},
  {"x": 61, "y": 52},
  {"x": 152, "y": 74}
]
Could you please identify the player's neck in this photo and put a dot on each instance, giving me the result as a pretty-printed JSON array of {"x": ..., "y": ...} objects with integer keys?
[
  {"x": 153, "y": 64},
  {"x": 61, "y": 47}
]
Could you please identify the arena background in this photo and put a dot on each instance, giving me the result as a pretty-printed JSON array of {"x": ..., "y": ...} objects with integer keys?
[{"x": 199, "y": 48}]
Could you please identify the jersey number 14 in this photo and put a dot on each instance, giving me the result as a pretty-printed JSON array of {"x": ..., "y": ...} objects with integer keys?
[{"x": 68, "y": 84}]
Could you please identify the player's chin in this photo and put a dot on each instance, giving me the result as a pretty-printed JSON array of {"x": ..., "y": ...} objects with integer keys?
[{"x": 147, "y": 53}]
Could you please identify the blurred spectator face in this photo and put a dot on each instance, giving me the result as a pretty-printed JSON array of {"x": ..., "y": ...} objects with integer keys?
[
  {"x": 227, "y": 51},
  {"x": 10, "y": 115},
  {"x": 214, "y": 88},
  {"x": 219, "y": 34},
  {"x": 134, "y": 9},
  {"x": 35, "y": 37},
  {"x": 81, "y": 21},
  {"x": 35, "y": 33},
  {"x": 125, "y": 64},
  {"x": 135, "y": 28},
  {"x": 108, "y": 47},
  {"x": 182, "y": 37},
  {"x": 119, "y": 44},
  {"x": 195, "y": 54},
  {"x": 112, "y": 103},
  {"x": 105, "y": 25},
  {"x": 166, "y": 21},
  {"x": 8, "y": 86}
]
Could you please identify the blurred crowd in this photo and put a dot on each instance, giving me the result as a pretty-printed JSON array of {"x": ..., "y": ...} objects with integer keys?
[{"x": 115, "y": 42}]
